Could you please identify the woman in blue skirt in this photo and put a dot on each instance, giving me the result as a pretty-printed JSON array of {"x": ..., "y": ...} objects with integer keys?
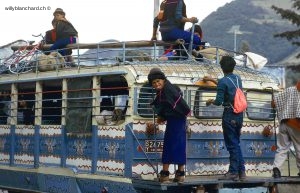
[{"x": 170, "y": 106}]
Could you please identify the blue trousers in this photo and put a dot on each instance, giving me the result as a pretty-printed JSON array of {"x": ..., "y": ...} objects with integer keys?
[
  {"x": 62, "y": 43},
  {"x": 232, "y": 124},
  {"x": 177, "y": 33}
]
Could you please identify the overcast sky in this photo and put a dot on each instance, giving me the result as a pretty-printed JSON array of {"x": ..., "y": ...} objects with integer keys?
[{"x": 95, "y": 20}]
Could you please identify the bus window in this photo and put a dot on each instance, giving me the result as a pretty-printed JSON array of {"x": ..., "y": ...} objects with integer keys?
[
  {"x": 145, "y": 97},
  {"x": 26, "y": 101},
  {"x": 79, "y": 105},
  {"x": 259, "y": 105},
  {"x": 200, "y": 108},
  {"x": 5, "y": 91},
  {"x": 114, "y": 98},
  {"x": 52, "y": 95}
]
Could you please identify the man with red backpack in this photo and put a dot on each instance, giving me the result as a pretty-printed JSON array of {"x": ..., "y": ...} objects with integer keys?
[{"x": 232, "y": 120}]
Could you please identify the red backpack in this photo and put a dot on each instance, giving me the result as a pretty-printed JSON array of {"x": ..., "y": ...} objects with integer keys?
[{"x": 240, "y": 101}]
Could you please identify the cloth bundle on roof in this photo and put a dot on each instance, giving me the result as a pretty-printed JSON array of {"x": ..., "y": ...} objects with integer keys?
[
  {"x": 288, "y": 104},
  {"x": 253, "y": 60}
]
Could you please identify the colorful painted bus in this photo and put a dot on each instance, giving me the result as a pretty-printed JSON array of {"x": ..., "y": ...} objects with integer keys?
[{"x": 83, "y": 128}]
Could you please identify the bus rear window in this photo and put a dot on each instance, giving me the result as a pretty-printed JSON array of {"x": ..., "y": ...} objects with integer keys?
[
  {"x": 200, "y": 108},
  {"x": 259, "y": 105}
]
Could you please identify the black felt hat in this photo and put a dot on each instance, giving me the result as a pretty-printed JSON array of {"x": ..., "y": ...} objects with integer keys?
[{"x": 155, "y": 73}]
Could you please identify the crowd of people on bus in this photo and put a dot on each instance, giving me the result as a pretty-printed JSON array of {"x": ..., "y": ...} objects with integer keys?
[
  {"x": 170, "y": 21},
  {"x": 287, "y": 104},
  {"x": 171, "y": 108}
]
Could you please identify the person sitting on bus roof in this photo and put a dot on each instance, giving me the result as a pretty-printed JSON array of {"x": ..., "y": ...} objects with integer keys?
[
  {"x": 287, "y": 104},
  {"x": 65, "y": 34},
  {"x": 173, "y": 53},
  {"x": 50, "y": 37},
  {"x": 174, "y": 18}
]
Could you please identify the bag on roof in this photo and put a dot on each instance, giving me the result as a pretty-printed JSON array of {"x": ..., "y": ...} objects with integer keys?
[{"x": 240, "y": 101}]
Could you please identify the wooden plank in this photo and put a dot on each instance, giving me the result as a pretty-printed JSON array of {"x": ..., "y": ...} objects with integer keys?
[{"x": 128, "y": 44}]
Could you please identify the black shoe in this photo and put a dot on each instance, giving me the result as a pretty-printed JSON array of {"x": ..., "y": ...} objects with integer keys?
[
  {"x": 230, "y": 176},
  {"x": 299, "y": 174},
  {"x": 276, "y": 173}
]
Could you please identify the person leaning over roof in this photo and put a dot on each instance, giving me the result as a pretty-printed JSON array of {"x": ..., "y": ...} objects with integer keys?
[
  {"x": 65, "y": 33},
  {"x": 173, "y": 19}
]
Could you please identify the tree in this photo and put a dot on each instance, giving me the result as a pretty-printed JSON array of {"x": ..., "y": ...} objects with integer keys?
[{"x": 294, "y": 18}]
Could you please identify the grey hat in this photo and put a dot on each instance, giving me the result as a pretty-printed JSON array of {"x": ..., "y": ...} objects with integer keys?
[
  {"x": 60, "y": 11},
  {"x": 155, "y": 73}
]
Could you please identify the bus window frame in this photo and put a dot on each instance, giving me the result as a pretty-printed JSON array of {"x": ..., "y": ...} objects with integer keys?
[
  {"x": 26, "y": 93},
  {"x": 138, "y": 103},
  {"x": 55, "y": 95},
  {"x": 5, "y": 100},
  {"x": 260, "y": 118},
  {"x": 208, "y": 90}
]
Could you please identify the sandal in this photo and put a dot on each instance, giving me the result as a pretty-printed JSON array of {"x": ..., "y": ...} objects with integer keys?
[
  {"x": 164, "y": 176},
  {"x": 179, "y": 176}
]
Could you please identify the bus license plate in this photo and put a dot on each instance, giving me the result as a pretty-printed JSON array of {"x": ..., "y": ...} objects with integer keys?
[{"x": 151, "y": 147}]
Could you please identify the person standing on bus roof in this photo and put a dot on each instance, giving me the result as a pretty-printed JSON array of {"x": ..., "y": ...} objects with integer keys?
[
  {"x": 287, "y": 104},
  {"x": 231, "y": 122},
  {"x": 65, "y": 34},
  {"x": 170, "y": 106}
]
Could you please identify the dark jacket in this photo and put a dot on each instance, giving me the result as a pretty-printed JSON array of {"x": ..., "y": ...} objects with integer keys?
[
  {"x": 170, "y": 103},
  {"x": 65, "y": 29},
  {"x": 174, "y": 11}
]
